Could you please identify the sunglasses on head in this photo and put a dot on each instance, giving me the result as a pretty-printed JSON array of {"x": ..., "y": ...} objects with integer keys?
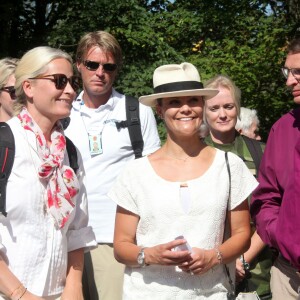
[
  {"x": 11, "y": 90},
  {"x": 61, "y": 80},
  {"x": 93, "y": 66},
  {"x": 295, "y": 72}
]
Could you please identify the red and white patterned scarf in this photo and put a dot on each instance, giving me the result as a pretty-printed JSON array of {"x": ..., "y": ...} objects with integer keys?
[{"x": 62, "y": 184}]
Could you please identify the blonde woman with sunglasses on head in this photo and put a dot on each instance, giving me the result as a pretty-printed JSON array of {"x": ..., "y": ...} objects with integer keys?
[
  {"x": 44, "y": 234},
  {"x": 7, "y": 87}
]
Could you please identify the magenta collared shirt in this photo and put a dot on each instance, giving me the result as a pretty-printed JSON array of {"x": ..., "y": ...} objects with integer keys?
[{"x": 275, "y": 205}]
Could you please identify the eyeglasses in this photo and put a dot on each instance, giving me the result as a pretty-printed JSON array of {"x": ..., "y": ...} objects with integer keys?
[
  {"x": 93, "y": 66},
  {"x": 61, "y": 80},
  {"x": 295, "y": 72},
  {"x": 11, "y": 90}
]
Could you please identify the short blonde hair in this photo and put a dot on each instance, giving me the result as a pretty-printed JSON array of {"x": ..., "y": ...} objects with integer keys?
[
  {"x": 33, "y": 63},
  {"x": 7, "y": 68},
  {"x": 226, "y": 82}
]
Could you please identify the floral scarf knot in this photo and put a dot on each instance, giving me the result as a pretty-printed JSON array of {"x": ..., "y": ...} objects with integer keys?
[{"x": 61, "y": 182}]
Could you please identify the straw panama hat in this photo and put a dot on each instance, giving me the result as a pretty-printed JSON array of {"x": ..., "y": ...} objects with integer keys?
[{"x": 176, "y": 81}]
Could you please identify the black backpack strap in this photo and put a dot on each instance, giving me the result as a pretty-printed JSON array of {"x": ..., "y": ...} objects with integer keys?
[
  {"x": 71, "y": 149},
  {"x": 65, "y": 122},
  {"x": 7, "y": 156},
  {"x": 72, "y": 153},
  {"x": 134, "y": 125},
  {"x": 255, "y": 150}
]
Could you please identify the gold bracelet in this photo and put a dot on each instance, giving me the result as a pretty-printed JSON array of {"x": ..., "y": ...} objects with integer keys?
[
  {"x": 18, "y": 293},
  {"x": 15, "y": 290},
  {"x": 219, "y": 256},
  {"x": 23, "y": 293}
]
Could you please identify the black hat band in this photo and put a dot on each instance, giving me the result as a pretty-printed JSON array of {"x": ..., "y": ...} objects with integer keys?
[{"x": 178, "y": 86}]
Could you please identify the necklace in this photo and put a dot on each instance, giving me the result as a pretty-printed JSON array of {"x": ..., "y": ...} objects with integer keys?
[
  {"x": 192, "y": 154},
  {"x": 178, "y": 158}
]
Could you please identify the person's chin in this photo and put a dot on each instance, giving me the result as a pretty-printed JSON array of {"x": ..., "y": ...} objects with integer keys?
[
  {"x": 297, "y": 99},
  {"x": 225, "y": 129},
  {"x": 63, "y": 112}
]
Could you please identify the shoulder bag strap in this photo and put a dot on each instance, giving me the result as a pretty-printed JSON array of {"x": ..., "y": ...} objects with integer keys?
[{"x": 231, "y": 294}]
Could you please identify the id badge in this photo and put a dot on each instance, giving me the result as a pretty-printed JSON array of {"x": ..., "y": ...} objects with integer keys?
[{"x": 95, "y": 140}]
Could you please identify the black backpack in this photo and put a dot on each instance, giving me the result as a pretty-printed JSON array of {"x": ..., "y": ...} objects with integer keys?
[
  {"x": 255, "y": 150},
  {"x": 7, "y": 155},
  {"x": 134, "y": 125}
]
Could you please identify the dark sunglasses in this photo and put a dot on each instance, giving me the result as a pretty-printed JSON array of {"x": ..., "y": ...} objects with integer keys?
[
  {"x": 93, "y": 66},
  {"x": 295, "y": 72},
  {"x": 61, "y": 80},
  {"x": 11, "y": 90}
]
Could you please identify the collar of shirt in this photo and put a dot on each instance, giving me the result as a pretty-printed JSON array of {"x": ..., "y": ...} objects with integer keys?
[{"x": 79, "y": 102}]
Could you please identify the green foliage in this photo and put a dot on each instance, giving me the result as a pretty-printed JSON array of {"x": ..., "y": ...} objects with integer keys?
[
  {"x": 248, "y": 47},
  {"x": 243, "y": 39}
]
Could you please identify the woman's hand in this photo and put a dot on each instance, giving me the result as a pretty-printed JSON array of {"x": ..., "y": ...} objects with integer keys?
[
  {"x": 201, "y": 261},
  {"x": 126, "y": 251},
  {"x": 72, "y": 292},
  {"x": 239, "y": 271},
  {"x": 164, "y": 254}
]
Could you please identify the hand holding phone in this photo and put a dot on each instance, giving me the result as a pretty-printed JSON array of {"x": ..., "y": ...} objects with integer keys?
[{"x": 182, "y": 247}]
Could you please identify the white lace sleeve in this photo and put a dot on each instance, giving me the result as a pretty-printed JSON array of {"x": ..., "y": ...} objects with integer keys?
[{"x": 242, "y": 181}]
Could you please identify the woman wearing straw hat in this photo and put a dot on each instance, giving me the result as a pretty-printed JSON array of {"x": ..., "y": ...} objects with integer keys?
[{"x": 172, "y": 204}]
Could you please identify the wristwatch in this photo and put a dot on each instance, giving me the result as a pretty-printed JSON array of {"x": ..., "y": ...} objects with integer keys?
[
  {"x": 141, "y": 258},
  {"x": 246, "y": 265}
]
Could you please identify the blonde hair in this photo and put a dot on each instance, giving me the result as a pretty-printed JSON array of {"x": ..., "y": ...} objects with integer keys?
[
  {"x": 33, "y": 63},
  {"x": 7, "y": 68},
  {"x": 225, "y": 81},
  {"x": 102, "y": 39}
]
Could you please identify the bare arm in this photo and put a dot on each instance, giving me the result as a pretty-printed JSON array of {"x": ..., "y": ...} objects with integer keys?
[
  {"x": 126, "y": 250},
  {"x": 257, "y": 245},
  {"x": 73, "y": 288},
  {"x": 11, "y": 286},
  {"x": 239, "y": 242}
]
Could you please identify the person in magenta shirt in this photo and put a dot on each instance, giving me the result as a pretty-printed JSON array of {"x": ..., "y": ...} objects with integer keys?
[{"x": 275, "y": 205}]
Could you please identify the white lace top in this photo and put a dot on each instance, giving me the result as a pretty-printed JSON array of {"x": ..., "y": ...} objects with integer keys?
[{"x": 162, "y": 218}]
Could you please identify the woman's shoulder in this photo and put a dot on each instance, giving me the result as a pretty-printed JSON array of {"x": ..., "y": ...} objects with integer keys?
[
  {"x": 15, "y": 126},
  {"x": 233, "y": 159},
  {"x": 13, "y": 122}
]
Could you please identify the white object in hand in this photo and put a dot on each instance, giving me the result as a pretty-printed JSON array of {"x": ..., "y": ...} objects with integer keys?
[{"x": 182, "y": 247}]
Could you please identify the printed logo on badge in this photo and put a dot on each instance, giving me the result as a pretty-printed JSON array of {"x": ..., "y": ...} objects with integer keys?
[{"x": 95, "y": 144}]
